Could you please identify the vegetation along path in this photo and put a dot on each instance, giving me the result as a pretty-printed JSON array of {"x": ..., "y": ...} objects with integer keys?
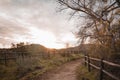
[{"x": 64, "y": 72}]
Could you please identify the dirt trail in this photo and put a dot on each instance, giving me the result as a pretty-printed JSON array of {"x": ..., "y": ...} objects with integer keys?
[{"x": 64, "y": 72}]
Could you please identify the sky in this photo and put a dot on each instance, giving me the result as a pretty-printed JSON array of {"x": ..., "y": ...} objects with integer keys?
[{"x": 35, "y": 21}]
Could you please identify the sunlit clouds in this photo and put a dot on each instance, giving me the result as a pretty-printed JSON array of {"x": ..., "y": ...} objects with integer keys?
[{"x": 34, "y": 21}]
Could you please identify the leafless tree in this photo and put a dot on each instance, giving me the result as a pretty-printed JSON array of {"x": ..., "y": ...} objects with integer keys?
[{"x": 100, "y": 15}]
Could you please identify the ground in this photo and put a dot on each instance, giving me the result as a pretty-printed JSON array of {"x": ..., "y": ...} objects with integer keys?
[{"x": 64, "y": 72}]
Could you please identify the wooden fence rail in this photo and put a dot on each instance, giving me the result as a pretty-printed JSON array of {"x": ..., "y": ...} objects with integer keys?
[
  {"x": 5, "y": 59},
  {"x": 101, "y": 68}
]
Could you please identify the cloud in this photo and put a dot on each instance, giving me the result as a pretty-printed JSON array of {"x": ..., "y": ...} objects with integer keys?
[{"x": 17, "y": 17}]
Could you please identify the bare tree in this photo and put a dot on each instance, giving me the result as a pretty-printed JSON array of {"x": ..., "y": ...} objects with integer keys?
[{"x": 100, "y": 15}]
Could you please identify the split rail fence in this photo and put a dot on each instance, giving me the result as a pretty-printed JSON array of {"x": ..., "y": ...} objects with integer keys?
[{"x": 101, "y": 69}]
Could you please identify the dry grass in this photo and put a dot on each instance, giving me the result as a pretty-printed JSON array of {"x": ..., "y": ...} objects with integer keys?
[{"x": 30, "y": 67}]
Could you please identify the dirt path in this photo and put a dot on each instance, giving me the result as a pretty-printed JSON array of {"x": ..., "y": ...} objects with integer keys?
[{"x": 64, "y": 72}]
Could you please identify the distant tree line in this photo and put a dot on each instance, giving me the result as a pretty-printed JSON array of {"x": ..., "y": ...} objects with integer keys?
[{"x": 18, "y": 45}]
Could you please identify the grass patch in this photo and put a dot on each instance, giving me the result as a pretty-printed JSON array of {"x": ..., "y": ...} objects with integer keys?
[{"x": 83, "y": 74}]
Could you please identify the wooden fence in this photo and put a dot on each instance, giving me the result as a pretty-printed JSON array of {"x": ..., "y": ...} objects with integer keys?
[
  {"x": 5, "y": 57},
  {"x": 102, "y": 70}
]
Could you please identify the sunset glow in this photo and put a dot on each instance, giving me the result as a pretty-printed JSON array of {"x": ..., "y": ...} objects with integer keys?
[
  {"x": 35, "y": 22},
  {"x": 45, "y": 38}
]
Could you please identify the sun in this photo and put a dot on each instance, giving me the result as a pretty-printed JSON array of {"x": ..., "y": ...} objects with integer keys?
[{"x": 45, "y": 38}]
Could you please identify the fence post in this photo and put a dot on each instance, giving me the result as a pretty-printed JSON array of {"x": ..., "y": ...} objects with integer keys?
[
  {"x": 101, "y": 69},
  {"x": 89, "y": 64},
  {"x": 85, "y": 60},
  {"x": 5, "y": 59},
  {"x": 22, "y": 55}
]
